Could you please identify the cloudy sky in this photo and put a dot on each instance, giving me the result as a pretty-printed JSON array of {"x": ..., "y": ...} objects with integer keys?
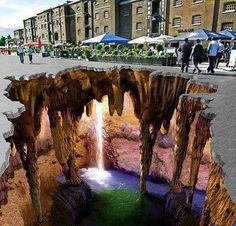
[{"x": 12, "y": 12}]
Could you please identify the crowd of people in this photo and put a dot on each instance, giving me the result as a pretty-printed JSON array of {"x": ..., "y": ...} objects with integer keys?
[{"x": 216, "y": 51}]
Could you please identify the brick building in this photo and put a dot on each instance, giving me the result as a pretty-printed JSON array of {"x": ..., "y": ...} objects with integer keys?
[
  {"x": 226, "y": 15},
  {"x": 189, "y": 15},
  {"x": 80, "y": 20}
]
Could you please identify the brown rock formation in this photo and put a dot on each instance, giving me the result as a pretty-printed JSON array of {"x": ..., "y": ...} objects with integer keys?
[
  {"x": 219, "y": 209},
  {"x": 155, "y": 98}
]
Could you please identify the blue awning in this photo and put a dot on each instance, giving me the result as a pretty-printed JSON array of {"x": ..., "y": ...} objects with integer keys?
[
  {"x": 231, "y": 34},
  {"x": 201, "y": 34},
  {"x": 106, "y": 38}
]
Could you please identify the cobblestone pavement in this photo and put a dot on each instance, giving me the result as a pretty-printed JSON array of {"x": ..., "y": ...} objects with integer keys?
[{"x": 223, "y": 104}]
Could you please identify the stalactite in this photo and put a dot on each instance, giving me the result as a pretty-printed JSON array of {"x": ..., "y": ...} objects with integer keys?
[
  {"x": 33, "y": 178},
  {"x": 185, "y": 116},
  {"x": 202, "y": 134},
  {"x": 148, "y": 134},
  {"x": 61, "y": 151},
  {"x": 219, "y": 209}
]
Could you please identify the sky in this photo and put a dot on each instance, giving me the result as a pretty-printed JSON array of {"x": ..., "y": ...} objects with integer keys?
[{"x": 13, "y": 12}]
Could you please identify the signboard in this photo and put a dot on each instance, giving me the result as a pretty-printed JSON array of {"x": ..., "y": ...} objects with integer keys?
[
  {"x": 232, "y": 59},
  {"x": 185, "y": 30}
]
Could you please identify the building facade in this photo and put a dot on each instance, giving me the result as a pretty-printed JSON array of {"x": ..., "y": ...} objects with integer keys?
[
  {"x": 18, "y": 36},
  {"x": 80, "y": 20},
  {"x": 30, "y": 25},
  {"x": 189, "y": 15},
  {"x": 142, "y": 17},
  {"x": 226, "y": 15}
]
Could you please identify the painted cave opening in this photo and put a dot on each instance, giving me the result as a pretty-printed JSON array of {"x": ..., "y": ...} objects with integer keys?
[{"x": 155, "y": 134}]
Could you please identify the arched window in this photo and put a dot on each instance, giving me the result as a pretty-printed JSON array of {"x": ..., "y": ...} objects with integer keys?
[{"x": 56, "y": 36}]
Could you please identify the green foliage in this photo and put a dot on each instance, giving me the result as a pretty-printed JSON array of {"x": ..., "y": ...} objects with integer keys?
[
  {"x": 149, "y": 53},
  {"x": 115, "y": 53},
  {"x": 106, "y": 48},
  {"x": 120, "y": 47},
  {"x": 2, "y": 41},
  {"x": 140, "y": 46},
  {"x": 130, "y": 54},
  {"x": 87, "y": 53},
  {"x": 120, "y": 207},
  {"x": 99, "y": 47},
  {"x": 9, "y": 37},
  {"x": 159, "y": 47}
]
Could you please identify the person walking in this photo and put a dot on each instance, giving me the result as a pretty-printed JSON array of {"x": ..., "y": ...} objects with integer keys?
[
  {"x": 220, "y": 53},
  {"x": 212, "y": 51},
  {"x": 197, "y": 55},
  {"x": 20, "y": 50},
  {"x": 186, "y": 50},
  {"x": 30, "y": 53}
]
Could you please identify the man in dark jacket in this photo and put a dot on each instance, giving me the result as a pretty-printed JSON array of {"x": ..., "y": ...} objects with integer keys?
[
  {"x": 197, "y": 55},
  {"x": 186, "y": 50}
]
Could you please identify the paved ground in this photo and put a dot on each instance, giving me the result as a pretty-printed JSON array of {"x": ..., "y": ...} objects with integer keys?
[{"x": 223, "y": 127}]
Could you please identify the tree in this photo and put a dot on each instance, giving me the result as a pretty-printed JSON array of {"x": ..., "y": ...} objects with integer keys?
[
  {"x": 9, "y": 37},
  {"x": 2, "y": 41}
]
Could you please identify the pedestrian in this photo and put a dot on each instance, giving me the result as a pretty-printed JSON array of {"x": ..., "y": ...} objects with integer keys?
[
  {"x": 20, "y": 50},
  {"x": 221, "y": 50},
  {"x": 212, "y": 51},
  {"x": 197, "y": 55},
  {"x": 234, "y": 46},
  {"x": 186, "y": 50},
  {"x": 30, "y": 53},
  {"x": 227, "y": 54}
]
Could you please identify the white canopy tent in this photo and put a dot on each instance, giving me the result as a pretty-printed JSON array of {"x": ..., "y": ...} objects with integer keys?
[
  {"x": 141, "y": 40},
  {"x": 162, "y": 38}
]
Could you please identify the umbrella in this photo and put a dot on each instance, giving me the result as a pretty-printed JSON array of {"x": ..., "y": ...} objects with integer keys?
[
  {"x": 106, "y": 38},
  {"x": 230, "y": 34},
  {"x": 141, "y": 40},
  {"x": 164, "y": 38},
  {"x": 201, "y": 34},
  {"x": 39, "y": 43}
]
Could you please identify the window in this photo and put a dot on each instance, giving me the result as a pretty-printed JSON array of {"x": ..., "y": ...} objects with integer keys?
[
  {"x": 230, "y": 7},
  {"x": 176, "y": 22},
  {"x": 105, "y": 0},
  {"x": 197, "y": 1},
  {"x": 177, "y": 2},
  {"x": 126, "y": 12},
  {"x": 97, "y": 30},
  {"x": 78, "y": 8},
  {"x": 78, "y": 31},
  {"x": 96, "y": 2},
  {"x": 139, "y": 26},
  {"x": 106, "y": 29},
  {"x": 42, "y": 35},
  {"x": 96, "y": 16},
  {"x": 78, "y": 19},
  {"x": 106, "y": 14},
  {"x": 56, "y": 36},
  {"x": 196, "y": 20},
  {"x": 227, "y": 26},
  {"x": 139, "y": 10}
]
